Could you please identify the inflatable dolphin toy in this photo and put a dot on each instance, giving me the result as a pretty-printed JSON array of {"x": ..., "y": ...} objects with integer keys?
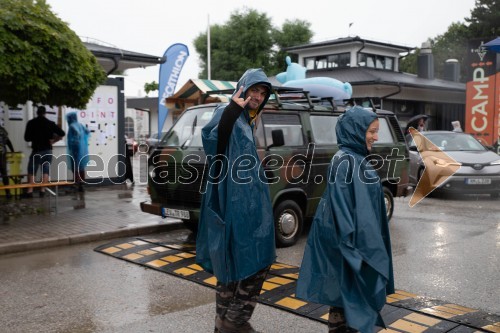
[{"x": 295, "y": 76}]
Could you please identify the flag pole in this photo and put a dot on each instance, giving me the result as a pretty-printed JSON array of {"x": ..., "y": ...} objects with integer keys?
[{"x": 208, "y": 48}]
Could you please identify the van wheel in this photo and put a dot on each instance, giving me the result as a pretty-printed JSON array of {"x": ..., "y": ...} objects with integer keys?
[
  {"x": 288, "y": 223},
  {"x": 389, "y": 202}
]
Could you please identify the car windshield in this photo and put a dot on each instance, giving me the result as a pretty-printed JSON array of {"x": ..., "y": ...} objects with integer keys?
[
  {"x": 186, "y": 132},
  {"x": 455, "y": 142}
]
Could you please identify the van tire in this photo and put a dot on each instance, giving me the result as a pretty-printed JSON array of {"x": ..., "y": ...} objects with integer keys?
[
  {"x": 288, "y": 223},
  {"x": 389, "y": 202}
]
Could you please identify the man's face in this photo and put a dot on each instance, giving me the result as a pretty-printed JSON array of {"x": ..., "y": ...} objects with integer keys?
[{"x": 257, "y": 95}]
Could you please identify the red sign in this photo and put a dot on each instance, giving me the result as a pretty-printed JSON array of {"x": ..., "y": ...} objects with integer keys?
[
  {"x": 497, "y": 112},
  {"x": 482, "y": 104}
]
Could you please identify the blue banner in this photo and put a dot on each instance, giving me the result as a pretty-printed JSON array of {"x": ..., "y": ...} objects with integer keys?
[{"x": 170, "y": 70}]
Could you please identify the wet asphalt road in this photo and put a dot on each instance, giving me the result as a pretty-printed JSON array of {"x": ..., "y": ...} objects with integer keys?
[
  {"x": 446, "y": 249},
  {"x": 76, "y": 289}
]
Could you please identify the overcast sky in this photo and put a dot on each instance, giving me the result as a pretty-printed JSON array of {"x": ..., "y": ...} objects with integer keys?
[{"x": 151, "y": 26}]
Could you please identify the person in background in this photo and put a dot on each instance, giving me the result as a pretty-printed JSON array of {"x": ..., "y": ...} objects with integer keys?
[
  {"x": 4, "y": 143},
  {"x": 78, "y": 148},
  {"x": 456, "y": 126},
  {"x": 347, "y": 261},
  {"x": 235, "y": 240},
  {"x": 129, "y": 153},
  {"x": 421, "y": 124},
  {"x": 42, "y": 133}
]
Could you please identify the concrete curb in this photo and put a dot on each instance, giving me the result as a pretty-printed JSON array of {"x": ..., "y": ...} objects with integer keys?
[{"x": 88, "y": 237}]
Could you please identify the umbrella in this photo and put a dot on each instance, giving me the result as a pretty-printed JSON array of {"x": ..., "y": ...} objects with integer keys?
[
  {"x": 413, "y": 122},
  {"x": 493, "y": 45}
]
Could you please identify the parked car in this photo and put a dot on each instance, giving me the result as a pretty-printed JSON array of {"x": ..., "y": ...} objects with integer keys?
[
  {"x": 477, "y": 171},
  {"x": 132, "y": 145},
  {"x": 153, "y": 140},
  {"x": 295, "y": 138}
]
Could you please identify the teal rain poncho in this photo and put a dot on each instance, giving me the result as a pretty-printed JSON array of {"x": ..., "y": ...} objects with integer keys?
[
  {"x": 347, "y": 260},
  {"x": 236, "y": 229},
  {"x": 78, "y": 143}
]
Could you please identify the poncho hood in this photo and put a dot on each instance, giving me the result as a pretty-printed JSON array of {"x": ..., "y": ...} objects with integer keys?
[
  {"x": 351, "y": 129},
  {"x": 71, "y": 117},
  {"x": 251, "y": 78}
]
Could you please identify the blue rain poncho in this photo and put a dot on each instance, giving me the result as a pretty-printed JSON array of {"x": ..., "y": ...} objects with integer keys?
[
  {"x": 235, "y": 236},
  {"x": 347, "y": 260},
  {"x": 78, "y": 143}
]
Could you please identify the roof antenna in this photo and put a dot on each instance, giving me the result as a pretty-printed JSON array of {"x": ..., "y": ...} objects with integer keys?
[{"x": 349, "y": 29}]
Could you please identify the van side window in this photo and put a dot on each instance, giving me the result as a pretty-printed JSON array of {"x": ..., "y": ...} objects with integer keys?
[
  {"x": 290, "y": 125},
  {"x": 323, "y": 128},
  {"x": 384, "y": 133}
]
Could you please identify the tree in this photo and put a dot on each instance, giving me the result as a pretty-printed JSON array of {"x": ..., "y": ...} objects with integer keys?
[
  {"x": 452, "y": 44},
  {"x": 42, "y": 59},
  {"x": 408, "y": 63},
  {"x": 248, "y": 40},
  {"x": 150, "y": 86},
  {"x": 485, "y": 19},
  {"x": 292, "y": 33}
]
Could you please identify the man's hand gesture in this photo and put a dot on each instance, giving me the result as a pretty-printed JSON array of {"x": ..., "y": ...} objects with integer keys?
[{"x": 240, "y": 101}]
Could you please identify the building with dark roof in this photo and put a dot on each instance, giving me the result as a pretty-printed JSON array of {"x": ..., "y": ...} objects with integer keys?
[{"x": 372, "y": 68}]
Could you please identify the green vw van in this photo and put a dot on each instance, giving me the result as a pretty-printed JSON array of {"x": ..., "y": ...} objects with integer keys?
[{"x": 295, "y": 139}]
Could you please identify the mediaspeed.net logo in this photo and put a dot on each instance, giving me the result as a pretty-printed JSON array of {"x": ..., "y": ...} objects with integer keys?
[{"x": 439, "y": 166}]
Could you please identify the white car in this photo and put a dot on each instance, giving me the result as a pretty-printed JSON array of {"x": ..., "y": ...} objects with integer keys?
[{"x": 479, "y": 167}]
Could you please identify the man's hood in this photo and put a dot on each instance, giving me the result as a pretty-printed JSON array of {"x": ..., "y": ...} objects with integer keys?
[{"x": 252, "y": 77}]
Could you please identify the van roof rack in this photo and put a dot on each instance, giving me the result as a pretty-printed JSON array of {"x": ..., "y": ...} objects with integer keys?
[{"x": 284, "y": 94}]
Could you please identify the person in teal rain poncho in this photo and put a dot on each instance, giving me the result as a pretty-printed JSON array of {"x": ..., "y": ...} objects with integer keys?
[
  {"x": 347, "y": 261},
  {"x": 78, "y": 148},
  {"x": 235, "y": 239}
]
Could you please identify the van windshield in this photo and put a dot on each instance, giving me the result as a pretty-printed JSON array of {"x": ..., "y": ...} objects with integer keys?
[{"x": 186, "y": 132}]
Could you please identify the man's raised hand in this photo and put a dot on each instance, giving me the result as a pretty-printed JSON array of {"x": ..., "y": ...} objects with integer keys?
[{"x": 238, "y": 100}]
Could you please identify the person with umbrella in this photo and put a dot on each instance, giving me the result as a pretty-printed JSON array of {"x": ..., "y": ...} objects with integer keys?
[{"x": 417, "y": 122}]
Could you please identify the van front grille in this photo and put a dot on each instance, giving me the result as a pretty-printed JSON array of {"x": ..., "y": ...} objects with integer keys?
[{"x": 180, "y": 186}]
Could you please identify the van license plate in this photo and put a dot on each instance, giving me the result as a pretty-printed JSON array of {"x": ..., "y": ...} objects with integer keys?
[
  {"x": 478, "y": 181},
  {"x": 178, "y": 213}
]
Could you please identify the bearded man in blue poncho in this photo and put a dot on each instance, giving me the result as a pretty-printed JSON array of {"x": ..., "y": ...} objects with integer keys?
[
  {"x": 235, "y": 240},
  {"x": 347, "y": 261}
]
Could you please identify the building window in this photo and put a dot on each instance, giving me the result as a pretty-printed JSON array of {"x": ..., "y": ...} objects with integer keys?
[
  {"x": 309, "y": 62},
  {"x": 389, "y": 63},
  {"x": 375, "y": 61},
  {"x": 345, "y": 60},
  {"x": 321, "y": 62},
  {"x": 129, "y": 127},
  {"x": 340, "y": 60},
  {"x": 333, "y": 61}
]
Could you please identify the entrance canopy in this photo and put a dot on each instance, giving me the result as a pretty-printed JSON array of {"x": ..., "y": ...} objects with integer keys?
[{"x": 198, "y": 91}]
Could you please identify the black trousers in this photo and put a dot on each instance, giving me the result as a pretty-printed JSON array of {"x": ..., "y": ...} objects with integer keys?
[{"x": 129, "y": 172}]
